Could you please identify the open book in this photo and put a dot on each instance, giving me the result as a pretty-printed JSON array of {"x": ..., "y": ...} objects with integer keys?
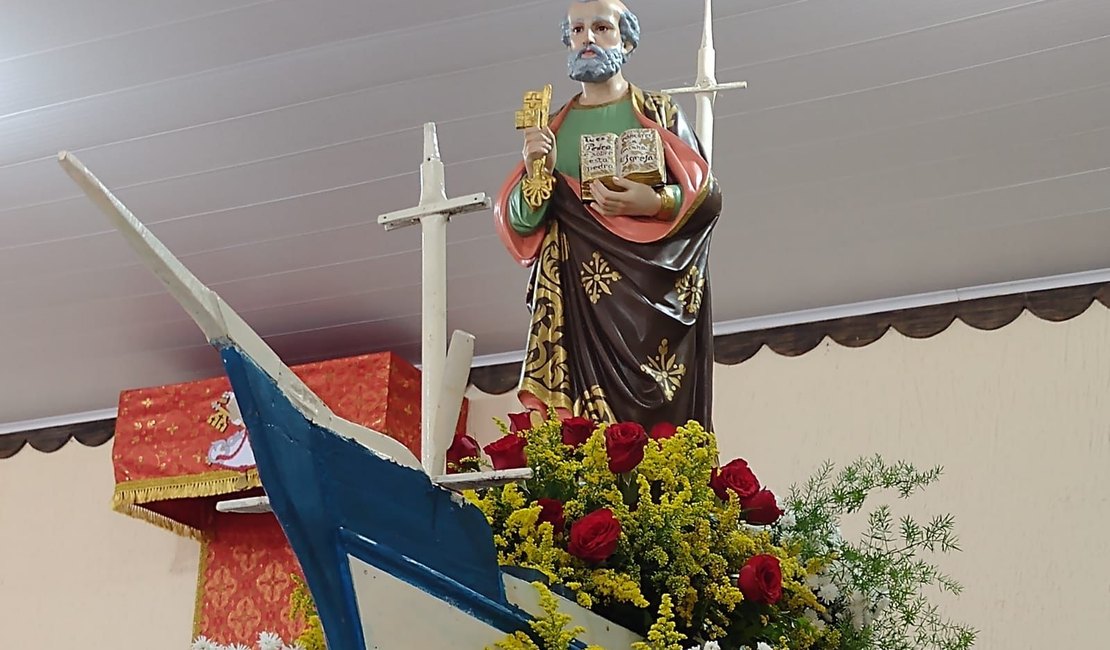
[{"x": 636, "y": 154}]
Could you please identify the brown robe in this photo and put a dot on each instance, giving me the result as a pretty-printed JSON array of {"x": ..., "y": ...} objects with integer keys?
[{"x": 621, "y": 326}]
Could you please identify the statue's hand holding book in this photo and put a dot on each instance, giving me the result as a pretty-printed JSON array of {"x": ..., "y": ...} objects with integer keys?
[{"x": 636, "y": 155}]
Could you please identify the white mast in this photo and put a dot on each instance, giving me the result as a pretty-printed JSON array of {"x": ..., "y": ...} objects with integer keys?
[
  {"x": 443, "y": 371},
  {"x": 706, "y": 86},
  {"x": 432, "y": 214}
]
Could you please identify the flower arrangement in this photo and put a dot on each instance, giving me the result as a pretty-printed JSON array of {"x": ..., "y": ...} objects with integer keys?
[{"x": 647, "y": 529}]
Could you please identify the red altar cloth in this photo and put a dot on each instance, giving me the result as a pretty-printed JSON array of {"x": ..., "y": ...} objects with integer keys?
[{"x": 180, "y": 448}]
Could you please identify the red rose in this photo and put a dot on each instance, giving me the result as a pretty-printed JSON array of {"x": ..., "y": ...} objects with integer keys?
[
  {"x": 462, "y": 447},
  {"x": 761, "y": 579},
  {"x": 593, "y": 538},
  {"x": 520, "y": 421},
  {"x": 760, "y": 508},
  {"x": 624, "y": 444},
  {"x": 576, "y": 431},
  {"x": 663, "y": 430},
  {"x": 552, "y": 513},
  {"x": 507, "y": 452},
  {"x": 735, "y": 476}
]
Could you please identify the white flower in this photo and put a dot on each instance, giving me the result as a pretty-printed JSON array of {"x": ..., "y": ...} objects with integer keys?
[
  {"x": 829, "y": 592},
  {"x": 817, "y": 580},
  {"x": 203, "y": 643},
  {"x": 763, "y": 646},
  {"x": 811, "y": 616},
  {"x": 788, "y": 521},
  {"x": 860, "y": 610},
  {"x": 238, "y": 646},
  {"x": 882, "y": 604},
  {"x": 269, "y": 641}
]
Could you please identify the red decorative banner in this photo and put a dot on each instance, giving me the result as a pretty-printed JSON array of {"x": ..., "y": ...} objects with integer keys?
[
  {"x": 180, "y": 448},
  {"x": 246, "y": 581}
]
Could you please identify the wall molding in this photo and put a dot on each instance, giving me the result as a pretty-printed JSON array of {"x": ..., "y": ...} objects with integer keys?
[
  {"x": 852, "y": 326},
  {"x": 51, "y": 439},
  {"x": 855, "y": 331}
]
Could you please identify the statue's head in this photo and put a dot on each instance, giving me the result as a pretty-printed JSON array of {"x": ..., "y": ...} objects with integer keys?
[{"x": 600, "y": 35}]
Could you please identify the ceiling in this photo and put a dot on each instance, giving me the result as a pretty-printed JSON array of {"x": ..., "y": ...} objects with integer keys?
[{"x": 882, "y": 148}]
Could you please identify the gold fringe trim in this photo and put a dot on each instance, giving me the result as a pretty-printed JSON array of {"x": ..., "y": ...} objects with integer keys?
[
  {"x": 130, "y": 495},
  {"x": 160, "y": 520},
  {"x": 198, "y": 604},
  {"x": 188, "y": 486}
]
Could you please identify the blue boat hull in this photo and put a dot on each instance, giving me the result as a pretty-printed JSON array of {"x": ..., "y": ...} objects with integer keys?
[
  {"x": 335, "y": 498},
  {"x": 363, "y": 518}
]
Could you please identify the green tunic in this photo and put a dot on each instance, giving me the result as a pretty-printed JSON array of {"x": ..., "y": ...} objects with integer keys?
[{"x": 614, "y": 117}]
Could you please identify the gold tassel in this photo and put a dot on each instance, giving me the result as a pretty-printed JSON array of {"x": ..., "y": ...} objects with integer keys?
[
  {"x": 129, "y": 496},
  {"x": 185, "y": 487},
  {"x": 201, "y": 583},
  {"x": 159, "y": 520}
]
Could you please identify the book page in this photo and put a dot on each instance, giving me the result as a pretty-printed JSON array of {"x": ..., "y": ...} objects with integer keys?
[
  {"x": 597, "y": 160},
  {"x": 641, "y": 156}
]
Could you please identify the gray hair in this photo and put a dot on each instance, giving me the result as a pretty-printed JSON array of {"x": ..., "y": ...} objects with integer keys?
[{"x": 629, "y": 26}]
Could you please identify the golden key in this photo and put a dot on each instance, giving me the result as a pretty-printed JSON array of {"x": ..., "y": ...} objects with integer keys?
[{"x": 537, "y": 185}]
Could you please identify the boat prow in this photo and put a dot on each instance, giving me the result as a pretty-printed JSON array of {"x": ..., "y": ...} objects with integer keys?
[{"x": 392, "y": 559}]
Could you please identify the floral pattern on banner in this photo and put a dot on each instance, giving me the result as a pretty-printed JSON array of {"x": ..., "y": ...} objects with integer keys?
[{"x": 246, "y": 581}]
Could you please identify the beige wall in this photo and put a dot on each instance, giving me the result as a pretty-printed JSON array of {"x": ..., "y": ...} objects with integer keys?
[
  {"x": 74, "y": 574},
  {"x": 1018, "y": 417}
]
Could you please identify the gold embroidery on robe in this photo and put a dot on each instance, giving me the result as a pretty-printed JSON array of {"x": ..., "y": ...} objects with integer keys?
[
  {"x": 665, "y": 370},
  {"x": 657, "y": 107},
  {"x": 689, "y": 289},
  {"x": 546, "y": 373},
  {"x": 593, "y": 405},
  {"x": 597, "y": 276}
]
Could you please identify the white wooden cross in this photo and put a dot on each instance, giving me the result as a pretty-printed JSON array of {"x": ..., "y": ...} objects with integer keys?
[
  {"x": 443, "y": 371},
  {"x": 705, "y": 87},
  {"x": 437, "y": 390}
]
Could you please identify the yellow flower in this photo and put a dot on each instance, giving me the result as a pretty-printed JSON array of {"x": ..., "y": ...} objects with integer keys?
[
  {"x": 516, "y": 641},
  {"x": 679, "y": 543},
  {"x": 662, "y": 635},
  {"x": 617, "y": 586},
  {"x": 512, "y": 497},
  {"x": 550, "y": 628}
]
